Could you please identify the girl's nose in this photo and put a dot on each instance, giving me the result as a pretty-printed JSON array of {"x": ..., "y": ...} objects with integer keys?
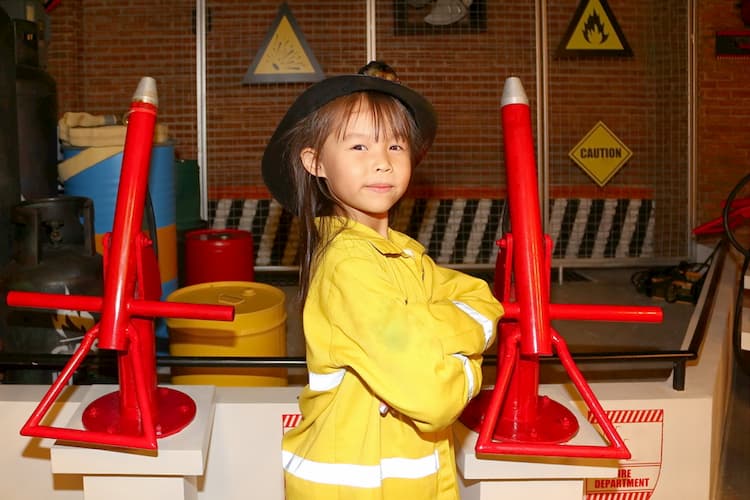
[{"x": 383, "y": 163}]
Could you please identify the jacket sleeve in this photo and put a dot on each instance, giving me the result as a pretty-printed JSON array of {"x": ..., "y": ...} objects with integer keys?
[
  {"x": 471, "y": 295},
  {"x": 422, "y": 359}
]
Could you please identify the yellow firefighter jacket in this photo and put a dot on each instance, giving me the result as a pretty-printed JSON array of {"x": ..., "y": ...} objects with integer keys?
[{"x": 394, "y": 351}]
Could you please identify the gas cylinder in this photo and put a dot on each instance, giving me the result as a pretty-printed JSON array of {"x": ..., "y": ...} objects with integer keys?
[
  {"x": 36, "y": 100},
  {"x": 53, "y": 252},
  {"x": 10, "y": 189}
]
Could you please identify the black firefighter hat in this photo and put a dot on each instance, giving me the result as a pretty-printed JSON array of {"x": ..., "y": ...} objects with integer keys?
[{"x": 276, "y": 169}]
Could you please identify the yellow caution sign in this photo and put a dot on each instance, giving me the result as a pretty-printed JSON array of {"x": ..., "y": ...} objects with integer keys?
[
  {"x": 594, "y": 31},
  {"x": 284, "y": 55},
  {"x": 600, "y": 154}
]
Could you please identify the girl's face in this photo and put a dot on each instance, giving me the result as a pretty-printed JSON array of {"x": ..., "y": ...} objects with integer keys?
[{"x": 367, "y": 169}]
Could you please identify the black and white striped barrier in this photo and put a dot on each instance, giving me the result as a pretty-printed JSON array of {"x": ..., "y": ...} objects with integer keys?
[{"x": 463, "y": 230}]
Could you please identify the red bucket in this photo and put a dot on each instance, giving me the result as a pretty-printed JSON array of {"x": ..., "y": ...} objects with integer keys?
[{"x": 218, "y": 255}]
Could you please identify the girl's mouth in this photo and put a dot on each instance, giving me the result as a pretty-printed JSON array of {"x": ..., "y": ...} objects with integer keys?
[{"x": 380, "y": 188}]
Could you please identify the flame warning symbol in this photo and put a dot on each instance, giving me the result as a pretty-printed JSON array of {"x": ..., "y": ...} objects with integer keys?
[{"x": 594, "y": 30}]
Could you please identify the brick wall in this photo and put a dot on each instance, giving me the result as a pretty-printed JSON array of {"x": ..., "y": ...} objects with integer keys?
[
  {"x": 723, "y": 130},
  {"x": 99, "y": 49}
]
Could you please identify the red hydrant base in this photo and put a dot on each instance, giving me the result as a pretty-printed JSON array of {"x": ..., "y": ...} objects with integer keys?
[
  {"x": 175, "y": 410},
  {"x": 552, "y": 423}
]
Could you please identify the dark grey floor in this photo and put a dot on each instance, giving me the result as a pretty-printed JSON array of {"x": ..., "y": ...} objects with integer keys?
[{"x": 614, "y": 287}]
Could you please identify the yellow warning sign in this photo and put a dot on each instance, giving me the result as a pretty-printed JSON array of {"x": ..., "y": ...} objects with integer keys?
[
  {"x": 594, "y": 30},
  {"x": 284, "y": 55},
  {"x": 600, "y": 154}
]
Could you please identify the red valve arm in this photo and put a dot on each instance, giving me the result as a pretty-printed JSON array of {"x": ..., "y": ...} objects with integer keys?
[
  {"x": 147, "y": 308},
  {"x": 592, "y": 312}
]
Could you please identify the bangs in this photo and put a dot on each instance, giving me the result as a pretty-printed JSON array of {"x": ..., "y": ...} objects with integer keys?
[{"x": 390, "y": 118}]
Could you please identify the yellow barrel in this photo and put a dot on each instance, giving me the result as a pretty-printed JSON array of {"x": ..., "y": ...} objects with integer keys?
[{"x": 258, "y": 329}]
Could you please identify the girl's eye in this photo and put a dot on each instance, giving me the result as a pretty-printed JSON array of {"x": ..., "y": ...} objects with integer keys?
[
  {"x": 397, "y": 147},
  {"x": 359, "y": 147}
]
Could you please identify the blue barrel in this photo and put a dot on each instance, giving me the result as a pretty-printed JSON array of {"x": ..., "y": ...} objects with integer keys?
[{"x": 95, "y": 173}]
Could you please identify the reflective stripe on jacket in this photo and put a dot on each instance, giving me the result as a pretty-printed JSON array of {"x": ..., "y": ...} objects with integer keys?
[{"x": 394, "y": 350}]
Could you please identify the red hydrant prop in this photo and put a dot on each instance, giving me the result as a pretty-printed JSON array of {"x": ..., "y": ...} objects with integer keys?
[
  {"x": 739, "y": 215},
  {"x": 512, "y": 419},
  {"x": 140, "y": 412}
]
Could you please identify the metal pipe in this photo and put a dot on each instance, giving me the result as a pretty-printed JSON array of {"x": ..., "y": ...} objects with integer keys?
[
  {"x": 532, "y": 290},
  {"x": 592, "y": 312},
  {"x": 119, "y": 284},
  {"x": 200, "y": 100},
  {"x": 371, "y": 29},
  {"x": 148, "y": 308}
]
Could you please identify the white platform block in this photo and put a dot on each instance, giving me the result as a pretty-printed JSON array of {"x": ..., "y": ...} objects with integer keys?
[
  {"x": 139, "y": 487},
  {"x": 521, "y": 490},
  {"x": 508, "y": 477},
  {"x": 169, "y": 473}
]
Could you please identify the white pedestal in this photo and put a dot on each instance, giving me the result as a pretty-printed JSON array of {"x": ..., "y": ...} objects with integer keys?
[
  {"x": 169, "y": 473},
  {"x": 526, "y": 477}
]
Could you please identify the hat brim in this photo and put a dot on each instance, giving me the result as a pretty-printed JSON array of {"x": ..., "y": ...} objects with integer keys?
[{"x": 276, "y": 170}]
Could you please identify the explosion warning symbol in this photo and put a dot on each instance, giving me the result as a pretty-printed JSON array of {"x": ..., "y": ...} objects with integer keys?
[
  {"x": 594, "y": 31},
  {"x": 284, "y": 55},
  {"x": 600, "y": 154}
]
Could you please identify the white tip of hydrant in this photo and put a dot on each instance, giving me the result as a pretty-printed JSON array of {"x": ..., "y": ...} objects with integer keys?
[
  {"x": 513, "y": 92},
  {"x": 146, "y": 91}
]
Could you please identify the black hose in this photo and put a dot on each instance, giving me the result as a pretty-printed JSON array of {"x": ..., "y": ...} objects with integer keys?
[
  {"x": 149, "y": 222},
  {"x": 742, "y": 356}
]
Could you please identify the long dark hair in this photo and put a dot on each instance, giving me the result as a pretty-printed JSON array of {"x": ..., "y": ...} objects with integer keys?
[{"x": 389, "y": 116}]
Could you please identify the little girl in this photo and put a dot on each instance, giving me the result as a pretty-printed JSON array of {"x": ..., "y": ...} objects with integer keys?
[{"x": 394, "y": 342}]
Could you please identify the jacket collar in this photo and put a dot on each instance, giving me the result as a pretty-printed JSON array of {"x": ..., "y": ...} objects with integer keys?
[{"x": 396, "y": 244}]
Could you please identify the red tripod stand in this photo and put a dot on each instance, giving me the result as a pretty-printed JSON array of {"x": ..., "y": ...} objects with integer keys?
[
  {"x": 513, "y": 418},
  {"x": 140, "y": 412}
]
